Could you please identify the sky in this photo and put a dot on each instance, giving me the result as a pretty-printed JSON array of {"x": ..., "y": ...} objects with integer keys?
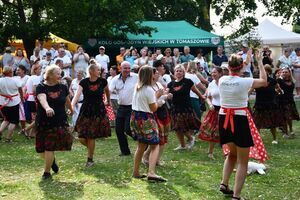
[{"x": 259, "y": 14}]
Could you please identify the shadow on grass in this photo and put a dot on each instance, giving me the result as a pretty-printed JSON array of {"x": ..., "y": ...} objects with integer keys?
[
  {"x": 111, "y": 172},
  {"x": 163, "y": 191},
  {"x": 61, "y": 190}
]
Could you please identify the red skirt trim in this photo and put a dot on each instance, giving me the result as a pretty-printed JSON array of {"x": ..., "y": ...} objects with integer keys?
[{"x": 258, "y": 151}]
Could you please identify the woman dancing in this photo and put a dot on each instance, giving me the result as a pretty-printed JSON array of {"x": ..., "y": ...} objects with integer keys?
[
  {"x": 237, "y": 129},
  {"x": 92, "y": 122}
]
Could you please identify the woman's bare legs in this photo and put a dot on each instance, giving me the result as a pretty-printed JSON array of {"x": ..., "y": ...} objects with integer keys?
[{"x": 137, "y": 158}]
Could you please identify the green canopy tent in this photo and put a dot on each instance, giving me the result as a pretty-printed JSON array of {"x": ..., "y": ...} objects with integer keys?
[{"x": 167, "y": 34}]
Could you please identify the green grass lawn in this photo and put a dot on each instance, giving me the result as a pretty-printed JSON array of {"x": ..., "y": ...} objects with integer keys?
[{"x": 190, "y": 174}]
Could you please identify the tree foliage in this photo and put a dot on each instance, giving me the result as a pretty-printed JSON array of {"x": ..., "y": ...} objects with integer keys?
[
  {"x": 197, "y": 12},
  {"x": 78, "y": 20},
  {"x": 288, "y": 9},
  {"x": 75, "y": 20},
  {"x": 233, "y": 9},
  {"x": 244, "y": 10}
]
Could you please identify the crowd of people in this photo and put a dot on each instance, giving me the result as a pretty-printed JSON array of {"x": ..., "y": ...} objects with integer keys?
[{"x": 147, "y": 95}]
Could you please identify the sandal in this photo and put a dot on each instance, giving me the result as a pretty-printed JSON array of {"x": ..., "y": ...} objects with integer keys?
[
  {"x": 140, "y": 176},
  {"x": 225, "y": 189},
  {"x": 156, "y": 179},
  {"x": 8, "y": 141}
]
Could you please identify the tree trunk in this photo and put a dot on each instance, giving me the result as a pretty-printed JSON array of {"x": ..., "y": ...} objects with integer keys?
[{"x": 29, "y": 45}]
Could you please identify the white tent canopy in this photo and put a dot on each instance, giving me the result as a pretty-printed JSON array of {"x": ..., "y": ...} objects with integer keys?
[{"x": 270, "y": 33}]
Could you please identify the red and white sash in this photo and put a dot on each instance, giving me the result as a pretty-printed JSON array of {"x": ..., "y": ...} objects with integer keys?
[
  {"x": 258, "y": 151},
  {"x": 9, "y": 98}
]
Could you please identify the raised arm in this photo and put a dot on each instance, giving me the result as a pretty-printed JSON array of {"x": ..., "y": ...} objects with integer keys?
[{"x": 262, "y": 80}]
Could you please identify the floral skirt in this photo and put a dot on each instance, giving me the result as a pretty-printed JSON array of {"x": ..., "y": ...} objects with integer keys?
[
  {"x": 92, "y": 122},
  {"x": 267, "y": 118},
  {"x": 53, "y": 139},
  {"x": 185, "y": 121},
  {"x": 144, "y": 127},
  {"x": 209, "y": 129},
  {"x": 289, "y": 111}
]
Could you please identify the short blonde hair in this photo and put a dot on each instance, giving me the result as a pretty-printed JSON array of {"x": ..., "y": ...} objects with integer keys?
[
  {"x": 93, "y": 67},
  {"x": 180, "y": 66},
  {"x": 7, "y": 70},
  {"x": 50, "y": 71}
]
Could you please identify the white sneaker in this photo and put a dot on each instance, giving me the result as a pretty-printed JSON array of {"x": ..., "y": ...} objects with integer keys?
[
  {"x": 274, "y": 142},
  {"x": 179, "y": 148},
  {"x": 286, "y": 136},
  {"x": 191, "y": 143},
  {"x": 211, "y": 156},
  {"x": 292, "y": 135}
]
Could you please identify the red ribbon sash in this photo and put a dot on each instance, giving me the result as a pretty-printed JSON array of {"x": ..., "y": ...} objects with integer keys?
[
  {"x": 9, "y": 97},
  {"x": 258, "y": 151}
]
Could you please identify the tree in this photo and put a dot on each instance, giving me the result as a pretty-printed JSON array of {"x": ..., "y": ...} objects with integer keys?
[
  {"x": 195, "y": 12},
  {"x": 245, "y": 10},
  {"x": 23, "y": 19},
  {"x": 232, "y": 9},
  {"x": 74, "y": 19},
  {"x": 78, "y": 20},
  {"x": 288, "y": 9}
]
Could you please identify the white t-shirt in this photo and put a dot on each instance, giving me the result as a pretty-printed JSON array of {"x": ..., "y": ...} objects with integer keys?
[
  {"x": 66, "y": 60},
  {"x": 284, "y": 61},
  {"x": 234, "y": 92},
  {"x": 103, "y": 60},
  {"x": 23, "y": 80},
  {"x": 247, "y": 67},
  {"x": 214, "y": 93},
  {"x": 43, "y": 52},
  {"x": 165, "y": 79},
  {"x": 44, "y": 63},
  {"x": 74, "y": 87},
  {"x": 141, "y": 61},
  {"x": 196, "y": 81},
  {"x": 296, "y": 60},
  {"x": 113, "y": 94},
  {"x": 67, "y": 53},
  {"x": 32, "y": 82},
  {"x": 33, "y": 58},
  {"x": 10, "y": 86},
  {"x": 142, "y": 98}
]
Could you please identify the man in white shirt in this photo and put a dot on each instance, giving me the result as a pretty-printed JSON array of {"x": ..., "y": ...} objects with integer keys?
[
  {"x": 47, "y": 61},
  {"x": 67, "y": 52},
  {"x": 35, "y": 56},
  {"x": 103, "y": 59},
  {"x": 43, "y": 50},
  {"x": 247, "y": 60},
  {"x": 66, "y": 62},
  {"x": 124, "y": 85}
]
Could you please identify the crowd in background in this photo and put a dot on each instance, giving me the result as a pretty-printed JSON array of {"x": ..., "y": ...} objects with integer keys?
[{"x": 145, "y": 96}]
